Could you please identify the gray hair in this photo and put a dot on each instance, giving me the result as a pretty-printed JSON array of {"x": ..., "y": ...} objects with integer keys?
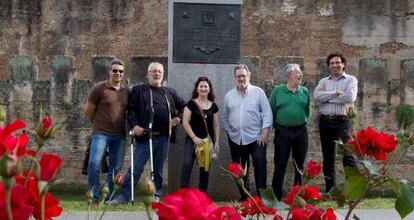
[
  {"x": 155, "y": 64},
  {"x": 241, "y": 67},
  {"x": 290, "y": 67}
]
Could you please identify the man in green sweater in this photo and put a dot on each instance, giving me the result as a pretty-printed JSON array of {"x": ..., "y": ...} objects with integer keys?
[{"x": 290, "y": 103}]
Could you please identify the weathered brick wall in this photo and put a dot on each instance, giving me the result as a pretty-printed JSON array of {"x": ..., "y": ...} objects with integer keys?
[{"x": 53, "y": 51}]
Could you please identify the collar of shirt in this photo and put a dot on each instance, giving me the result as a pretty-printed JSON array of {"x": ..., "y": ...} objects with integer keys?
[
  {"x": 286, "y": 89},
  {"x": 245, "y": 90},
  {"x": 344, "y": 75}
]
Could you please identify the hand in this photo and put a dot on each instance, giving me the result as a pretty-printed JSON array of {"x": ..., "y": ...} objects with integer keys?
[
  {"x": 338, "y": 93},
  {"x": 197, "y": 141},
  {"x": 138, "y": 131},
  {"x": 216, "y": 148},
  {"x": 175, "y": 121},
  {"x": 261, "y": 141}
]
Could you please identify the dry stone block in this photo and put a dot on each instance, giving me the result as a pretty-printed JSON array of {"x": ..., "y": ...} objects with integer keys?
[
  {"x": 100, "y": 67},
  {"x": 373, "y": 84},
  {"x": 280, "y": 62},
  {"x": 253, "y": 62},
  {"x": 139, "y": 68},
  {"x": 407, "y": 76},
  {"x": 63, "y": 69},
  {"x": 21, "y": 68}
]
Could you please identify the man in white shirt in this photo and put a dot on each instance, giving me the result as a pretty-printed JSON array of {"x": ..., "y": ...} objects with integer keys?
[{"x": 247, "y": 118}]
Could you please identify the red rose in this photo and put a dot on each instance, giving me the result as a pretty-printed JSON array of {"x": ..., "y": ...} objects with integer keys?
[
  {"x": 298, "y": 214},
  {"x": 226, "y": 213},
  {"x": 306, "y": 192},
  {"x": 45, "y": 127},
  {"x": 236, "y": 170},
  {"x": 371, "y": 143},
  {"x": 185, "y": 204},
  {"x": 250, "y": 208},
  {"x": 20, "y": 202},
  {"x": 119, "y": 179},
  {"x": 49, "y": 165},
  {"x": 52, "y": 208},
  {"x": 8, "y": 142},
  {"x": 329, "y": 214},
  {"x": 312, "y": 169}
]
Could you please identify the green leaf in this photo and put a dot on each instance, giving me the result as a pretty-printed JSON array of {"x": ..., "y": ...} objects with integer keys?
[
  {"x": 405, "y": 202},
  {"x": 349, "y": 147},
  {"x": 355, "y": 184},
  {"x": 395, "y": 185},
  {"x": 338, "y": 196},
  {"x": 268, "y": 197},
  {"x": 339, "y": 150},
  {"x": 370, "y": 167}
]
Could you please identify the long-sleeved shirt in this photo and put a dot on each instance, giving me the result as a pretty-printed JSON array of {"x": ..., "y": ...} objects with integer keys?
[
  {"x": 326, "y": 94},
  {"x": 290, "y": 108},
  {"x": 245, "y": 116}
]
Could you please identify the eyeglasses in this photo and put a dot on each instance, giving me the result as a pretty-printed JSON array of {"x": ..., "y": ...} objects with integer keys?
[{"x": 117, "y": 70}]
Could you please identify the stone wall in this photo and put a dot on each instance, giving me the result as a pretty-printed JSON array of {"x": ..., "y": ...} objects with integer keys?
[{"x": 54, "y": 51}]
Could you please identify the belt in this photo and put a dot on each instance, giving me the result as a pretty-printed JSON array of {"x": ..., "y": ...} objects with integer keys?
[
  {"x": 334, "y": 117},
  {"x": 290, "y": 127}
]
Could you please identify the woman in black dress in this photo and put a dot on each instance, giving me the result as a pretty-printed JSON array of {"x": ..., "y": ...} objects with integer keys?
[{"x": 194, "y": 125}]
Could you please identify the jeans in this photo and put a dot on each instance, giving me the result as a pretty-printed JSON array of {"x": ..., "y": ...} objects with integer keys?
[
  {"x": 288, "y": 139},
  {"x": 141, "y": 156},
  {"x": 240, "y": 154},
  {"x": 331, "y": 130},
  {"x": 101, "y": 143},
  {"x": 188, "y": 160}
]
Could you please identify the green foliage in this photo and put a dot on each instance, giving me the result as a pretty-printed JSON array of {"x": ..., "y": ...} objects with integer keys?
[
  {"x": 355, "y": 184},
  {"x": 67, "y": 105},
  {"x": 269, "y": 199},
  {"x": 405, "y": 202},
  {"x": 404, "y": 114}
]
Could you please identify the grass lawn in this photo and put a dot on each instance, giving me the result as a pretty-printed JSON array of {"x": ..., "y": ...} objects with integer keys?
[{"x": 77, "y": 202}]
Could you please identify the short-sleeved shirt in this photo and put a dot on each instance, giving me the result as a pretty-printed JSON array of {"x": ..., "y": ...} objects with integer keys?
[
  {"x": 197, "y": 122},
  {"x": 110, "y": 111}
]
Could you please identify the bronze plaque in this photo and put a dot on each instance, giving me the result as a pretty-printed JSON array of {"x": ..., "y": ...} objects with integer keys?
[{"x": 206, "y": 33}]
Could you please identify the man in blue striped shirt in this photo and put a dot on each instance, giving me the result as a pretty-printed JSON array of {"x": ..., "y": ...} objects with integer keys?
[
  {"x": 335, "y": 94},
  {"x": 247, "y": 119}
]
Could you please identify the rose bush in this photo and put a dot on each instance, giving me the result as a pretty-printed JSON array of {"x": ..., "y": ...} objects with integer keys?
[{"x": 24, "y": 191}]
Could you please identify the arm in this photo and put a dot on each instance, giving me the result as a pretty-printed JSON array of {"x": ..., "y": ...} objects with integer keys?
[
  {"x": 308, "y": 108},
  {"x": 349, "y": 95},
  {"x": 224, "y": 116},
  {"x": 321, "y": 95},
  {"x": 216, "y": 127},
  {"x": 179, "y": 105},
  {"x": 272, "y": 101},
  {"x": 90, "y": 110},
  {"x": 133, "y": 114},
  {"x": 267, "y": 119},
  {"x": 187, "y": 127}
]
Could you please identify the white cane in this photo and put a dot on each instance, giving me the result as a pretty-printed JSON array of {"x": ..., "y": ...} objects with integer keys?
[
  {"x": 131, "y": 134},
  {"x": 151, "y": 156}
]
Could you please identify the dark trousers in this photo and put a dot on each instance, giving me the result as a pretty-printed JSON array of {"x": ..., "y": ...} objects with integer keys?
[
  {"x": 188, "y": 160},
  {"x": 240, "y": 154},
  {"x": 288, "y": 139},
  {"x": 331, "y": 130}
]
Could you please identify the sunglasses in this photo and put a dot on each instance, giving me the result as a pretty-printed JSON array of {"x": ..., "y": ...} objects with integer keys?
[{"x": 116, "y": 71}]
